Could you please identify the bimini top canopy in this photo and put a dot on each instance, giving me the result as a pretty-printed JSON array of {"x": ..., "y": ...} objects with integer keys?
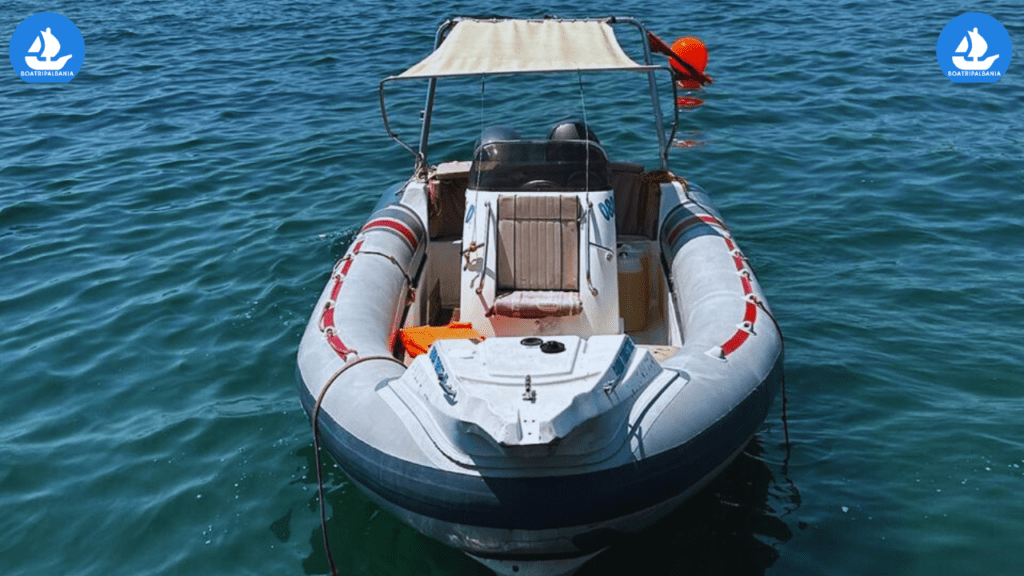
[
  {"x": 484, "y": 47},
  {"x": 488, "y": 47}
]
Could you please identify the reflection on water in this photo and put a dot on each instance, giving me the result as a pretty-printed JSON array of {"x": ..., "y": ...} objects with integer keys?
[
  {"x": 367, "y": 540},
  {"x": 282, "y": 527},
  {"x": 690, "y": 139},
  {"x": 732, "y": 526}
]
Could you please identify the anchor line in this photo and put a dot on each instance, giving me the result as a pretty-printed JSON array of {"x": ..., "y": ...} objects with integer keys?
[
  {"x": 785, "y": 400},
  {"x": 753, "y": 303},
  {"x": 785, "y": 418},
  {"x": 316, "y": 449},
  {"x": 741, "y": 262}
]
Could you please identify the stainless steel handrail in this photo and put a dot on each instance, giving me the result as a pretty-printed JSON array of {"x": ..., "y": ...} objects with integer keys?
[
  {"x": 589, "y": 244},
  {"x": 487, "y": 249}
]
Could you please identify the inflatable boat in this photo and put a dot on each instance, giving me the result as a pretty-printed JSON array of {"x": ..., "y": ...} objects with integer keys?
[{"x": 531, "y": 352}]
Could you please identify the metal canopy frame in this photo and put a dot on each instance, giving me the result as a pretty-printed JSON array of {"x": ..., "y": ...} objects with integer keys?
[{"x": 420, "y": 153}]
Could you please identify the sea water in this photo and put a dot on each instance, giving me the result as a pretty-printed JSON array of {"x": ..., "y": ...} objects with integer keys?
[{"x": 168, "y": 218}]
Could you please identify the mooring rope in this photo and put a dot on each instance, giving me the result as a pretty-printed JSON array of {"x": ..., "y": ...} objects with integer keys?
[
  {"x": 785, "y": 400},
  {"x": 316, "y": 449},
  {"x": 785, "y": 418}
]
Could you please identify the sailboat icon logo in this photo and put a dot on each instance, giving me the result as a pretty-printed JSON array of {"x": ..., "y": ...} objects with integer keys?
[
  {"x": 50, "y": 47},
  {"x": 974, "y": 47},
  {"x": 978, "y": 48},
  {"x": 47, "y": 47}
]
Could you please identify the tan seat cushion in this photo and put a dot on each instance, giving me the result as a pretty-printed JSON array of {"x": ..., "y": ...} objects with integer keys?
[
  {"x": 538, "y": 256},
  {"x": 538, "y": 242}
]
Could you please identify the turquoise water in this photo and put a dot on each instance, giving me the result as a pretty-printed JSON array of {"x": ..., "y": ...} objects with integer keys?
[{"x": 168, "y": 218}]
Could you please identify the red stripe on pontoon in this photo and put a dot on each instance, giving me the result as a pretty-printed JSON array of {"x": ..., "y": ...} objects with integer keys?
[
  {"x": 327, "y": 318},
  {"x": 713, "y": 220},
  {"x": 395, "y": 225},
  {"x": 338, "y": 346},
  {"x": 751, "y": 314},
  {"x": 337, "y": 288},
  {"x": 348, "y": 264},
  {"x": 741, "y": 336},
  {"x": 735, "y": 342}
]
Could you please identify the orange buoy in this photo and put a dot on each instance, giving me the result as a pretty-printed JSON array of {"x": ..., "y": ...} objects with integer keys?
[{"x": 692, "y": 51}]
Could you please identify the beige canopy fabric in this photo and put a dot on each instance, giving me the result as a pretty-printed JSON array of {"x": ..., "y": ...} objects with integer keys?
[{"x": 477, "y": 47}]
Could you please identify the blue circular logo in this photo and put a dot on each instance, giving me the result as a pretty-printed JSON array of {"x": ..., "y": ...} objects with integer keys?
[
  {"x": 974, "y": 47},
  {"x": 47, "y": 47}
]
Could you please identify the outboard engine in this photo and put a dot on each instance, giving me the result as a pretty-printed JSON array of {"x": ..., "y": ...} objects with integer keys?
[{"x": 572, "y": 129}]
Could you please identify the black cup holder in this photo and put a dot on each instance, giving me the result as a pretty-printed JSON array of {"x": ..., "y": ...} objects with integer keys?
[
  {"x": 552, "y": 347},
  {"x": 549, "y": 347}
]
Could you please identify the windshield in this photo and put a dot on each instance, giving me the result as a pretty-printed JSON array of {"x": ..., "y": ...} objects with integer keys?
[{"x": 532, "y": 165}]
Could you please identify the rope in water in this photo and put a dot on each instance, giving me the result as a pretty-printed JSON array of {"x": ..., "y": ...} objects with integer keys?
[
  {"x": 316, "y": 449},
  {"x": 785, "y": 418},
  {"x": 782, "y": 339},
  {"x": 785, "y": 400}
]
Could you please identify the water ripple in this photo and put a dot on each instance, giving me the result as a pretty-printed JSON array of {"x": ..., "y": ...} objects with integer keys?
[{"x": 167, "y": 219}]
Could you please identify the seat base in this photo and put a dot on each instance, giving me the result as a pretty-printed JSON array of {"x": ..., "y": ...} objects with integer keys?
[{"x": 537, "y": 304}]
